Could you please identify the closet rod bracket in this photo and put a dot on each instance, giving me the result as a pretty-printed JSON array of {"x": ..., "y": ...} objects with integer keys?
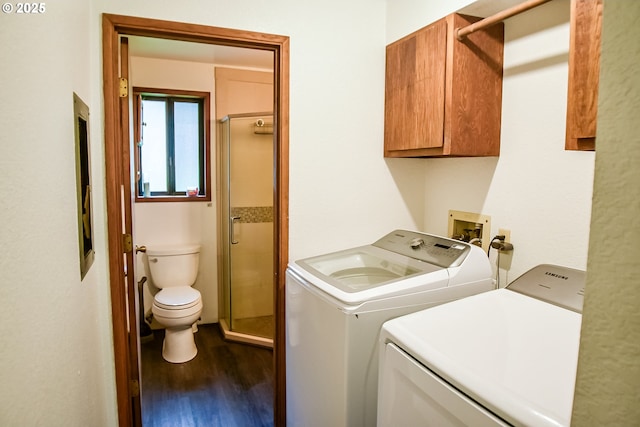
[{"x": 462, "y": 32}]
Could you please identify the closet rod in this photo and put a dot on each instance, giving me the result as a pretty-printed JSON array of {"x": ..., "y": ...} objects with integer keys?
[{"x": 462, "y": 32}]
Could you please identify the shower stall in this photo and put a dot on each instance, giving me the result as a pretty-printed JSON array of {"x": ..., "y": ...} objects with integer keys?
[{"x": 246, "y": 232}]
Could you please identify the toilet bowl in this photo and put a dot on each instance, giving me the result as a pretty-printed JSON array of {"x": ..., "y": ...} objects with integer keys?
[{"x": 177, "y": 307}]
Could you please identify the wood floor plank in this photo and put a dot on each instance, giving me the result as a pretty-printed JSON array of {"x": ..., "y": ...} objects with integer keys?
[{"x": 227, "y": 384}]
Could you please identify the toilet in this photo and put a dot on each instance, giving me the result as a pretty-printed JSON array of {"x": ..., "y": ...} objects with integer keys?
[{"x": 177, "y": 307}]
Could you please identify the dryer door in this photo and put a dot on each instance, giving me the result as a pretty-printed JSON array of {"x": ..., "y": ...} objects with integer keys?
[{"x": 409, "y": 394}]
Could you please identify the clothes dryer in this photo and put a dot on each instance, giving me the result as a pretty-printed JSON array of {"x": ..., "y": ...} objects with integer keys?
[{"x": 501, "y": 358}]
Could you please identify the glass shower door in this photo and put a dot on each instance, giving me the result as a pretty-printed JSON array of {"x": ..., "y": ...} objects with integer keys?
[{"x": 247, "y": 226}]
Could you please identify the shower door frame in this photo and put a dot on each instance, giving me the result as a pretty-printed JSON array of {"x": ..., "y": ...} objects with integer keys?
[
  {"x": 117, "y": 155},
  {"x": 225, "y": 228}
]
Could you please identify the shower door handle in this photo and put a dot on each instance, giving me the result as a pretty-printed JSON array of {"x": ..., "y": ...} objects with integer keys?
[{"x": 232, "y": 230}]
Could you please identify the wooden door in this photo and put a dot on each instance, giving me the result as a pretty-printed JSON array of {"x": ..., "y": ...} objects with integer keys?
[{"x": 130, "y": 284}]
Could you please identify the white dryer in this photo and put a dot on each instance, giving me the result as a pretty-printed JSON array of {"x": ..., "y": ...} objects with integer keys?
[
  {"x": 505, "y": 357},
  {"x": 336, "y": 304}
]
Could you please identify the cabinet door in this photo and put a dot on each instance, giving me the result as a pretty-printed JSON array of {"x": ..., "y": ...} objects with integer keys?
[
  {"x": 584, "y": 74},
  {"x": 415, "y": 90},
  {"x": 474, "y": 90}
]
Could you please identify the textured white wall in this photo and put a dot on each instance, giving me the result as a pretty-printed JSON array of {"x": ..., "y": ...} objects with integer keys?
[
  {"x": 341, "y": 190},
  {"x": 535, "y": 188},
  {"x": 608, "y": 377},
  {"x": 406, "y": 16},
  {"x": 57, "y": 330},
  {"x": 56, "y": 357}
]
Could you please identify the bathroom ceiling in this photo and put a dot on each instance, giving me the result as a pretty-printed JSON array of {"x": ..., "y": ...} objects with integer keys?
[{"x": 199, "y": 52}]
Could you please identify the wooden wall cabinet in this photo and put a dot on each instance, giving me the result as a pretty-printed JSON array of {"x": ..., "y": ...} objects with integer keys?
[
  {"x": 584, "y": 74},
  {"x": 443, "y": 97}
]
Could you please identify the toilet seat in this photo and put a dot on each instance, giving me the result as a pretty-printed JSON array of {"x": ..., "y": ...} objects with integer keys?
[{"x": 178, "y": 298}]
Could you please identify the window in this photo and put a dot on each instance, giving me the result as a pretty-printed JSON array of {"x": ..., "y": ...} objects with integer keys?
[{"x": 172, "y": 147}]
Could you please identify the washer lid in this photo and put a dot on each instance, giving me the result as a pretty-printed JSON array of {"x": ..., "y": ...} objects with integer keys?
[
  {"x": 177, "y": 298},
  {"x": 356, "y": 269},
  {"x": 513, "y": 354},
  {"x": 401, "y": 263},
  {"x": 367, "y": 273}
]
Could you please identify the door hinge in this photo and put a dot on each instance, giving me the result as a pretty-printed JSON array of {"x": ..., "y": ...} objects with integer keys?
[
  {"x": 124, "y": 87},
  {"x": 127, "y": 243},
  {"x": 134, "y": 388}
]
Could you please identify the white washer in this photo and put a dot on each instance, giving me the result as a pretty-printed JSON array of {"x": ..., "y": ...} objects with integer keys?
[
  {"x": 505, "y": 357},
  {"x": 336, "y": 304}
]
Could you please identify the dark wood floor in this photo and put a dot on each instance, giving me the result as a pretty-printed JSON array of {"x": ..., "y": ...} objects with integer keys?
[{"x": 227, "y": 384}]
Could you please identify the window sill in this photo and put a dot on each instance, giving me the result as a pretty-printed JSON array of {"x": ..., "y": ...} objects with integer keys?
[{"x": 171, "y": 199}]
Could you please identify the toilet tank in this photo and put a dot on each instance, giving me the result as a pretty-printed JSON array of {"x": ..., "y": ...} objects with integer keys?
[{"x": 173, "y": 265}]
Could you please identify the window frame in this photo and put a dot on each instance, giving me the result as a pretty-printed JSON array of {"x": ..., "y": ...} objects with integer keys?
[{"x": 205, "y": 192}]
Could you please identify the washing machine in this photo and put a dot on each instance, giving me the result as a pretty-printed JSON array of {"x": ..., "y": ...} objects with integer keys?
[
  {"x": 501, "y": 358},
  {"x": 336, "y": 304}
]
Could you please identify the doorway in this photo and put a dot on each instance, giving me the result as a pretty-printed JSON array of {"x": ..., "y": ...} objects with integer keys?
[{"x": 118, "y": 204}]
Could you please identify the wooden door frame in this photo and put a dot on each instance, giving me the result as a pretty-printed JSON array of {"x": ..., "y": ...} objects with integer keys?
[{"x": 112, "y": 27}]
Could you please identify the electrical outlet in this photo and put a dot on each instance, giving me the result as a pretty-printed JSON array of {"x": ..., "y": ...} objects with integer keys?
[{"x": 506, "y": 233}]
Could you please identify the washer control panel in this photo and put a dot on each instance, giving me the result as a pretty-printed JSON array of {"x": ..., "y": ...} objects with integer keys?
[{"x": 425, "y": 247}]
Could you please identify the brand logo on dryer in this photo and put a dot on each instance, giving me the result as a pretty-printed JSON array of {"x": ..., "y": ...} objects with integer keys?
[{"x": 557, "y": 276}]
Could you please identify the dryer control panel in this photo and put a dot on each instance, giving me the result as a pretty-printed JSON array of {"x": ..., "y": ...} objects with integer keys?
[{"x": 561, "y": 286}]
